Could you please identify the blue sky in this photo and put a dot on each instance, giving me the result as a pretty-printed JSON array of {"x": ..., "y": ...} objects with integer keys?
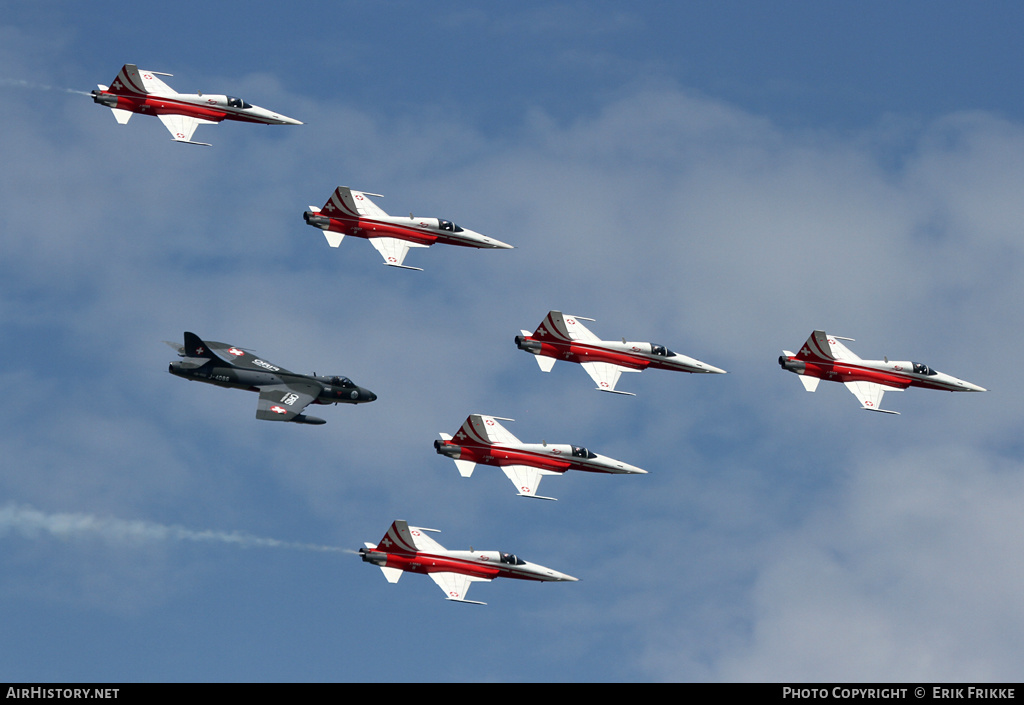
[{"x": 719, "y": 178}]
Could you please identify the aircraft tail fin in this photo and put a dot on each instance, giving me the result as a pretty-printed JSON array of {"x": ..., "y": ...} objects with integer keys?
[
  {"x": 824, "y": 347},
  {"x": 195, "y": 347},
  {"x": 128, "y": 81},
  {"x": 346, "y": 202},
  {"x": 398, "y": 538},
  {"x": 133, "y": 81},
  {"x": 816, "y": 348}
]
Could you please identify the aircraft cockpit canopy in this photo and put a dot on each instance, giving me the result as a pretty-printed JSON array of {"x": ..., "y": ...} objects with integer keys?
[
  {"x": 449, "y": 226},
  {"x": 661, "y": 350},
  {"x": 511, "y": 559},
  {"x": 341, "y": 382},
  {"x": 923, "y": 369},
  {"x": 238, "y": 103},
  {"x": 581, "y": 452}
]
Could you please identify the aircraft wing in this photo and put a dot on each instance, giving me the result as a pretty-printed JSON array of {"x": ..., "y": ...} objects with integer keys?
[
  {"x": 394, "y": 250},
  {"x": 283, "y": 402},
  {"x": 606, "y": 375},
  {"x": 525, "y": 478},
  {"x": 240, "y": 357},
  {"x": 486, "y": 430},
  {"x": 423, "y": 543},
  {"x": 181, "y": 127},
  {"x": 455, "y": 585},
  {"x": 870, "y": 394}
]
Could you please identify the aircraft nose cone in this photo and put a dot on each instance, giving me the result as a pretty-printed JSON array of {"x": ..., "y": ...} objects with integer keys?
[
  {"x": 491, "y": 242},
  {"x": 705, "y": 367}
]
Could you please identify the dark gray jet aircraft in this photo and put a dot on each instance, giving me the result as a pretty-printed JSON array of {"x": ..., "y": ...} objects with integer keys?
[{"x": 283, "y": 394}]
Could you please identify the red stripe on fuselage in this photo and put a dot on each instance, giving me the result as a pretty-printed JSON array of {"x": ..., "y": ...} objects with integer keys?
[
  {"x": 847, "y": 372},
  {"x": 583, "y": 352},
  {"x": 366, "y": 228},
  {"x": 500, "y": 456},
  {"x": 157, "y": 105},
  {"x": 428, "y": 563}
]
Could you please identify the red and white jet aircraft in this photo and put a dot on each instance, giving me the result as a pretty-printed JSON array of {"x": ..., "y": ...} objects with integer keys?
[
  {"x": 135, "y": 91},
  {"x": 561, "y": 337},
  {"x": 407, "y": 548},
  {"x": 349, "y": 212},
  {"x": 824, "y": 357},
  {"x": 483, "y": 440}
]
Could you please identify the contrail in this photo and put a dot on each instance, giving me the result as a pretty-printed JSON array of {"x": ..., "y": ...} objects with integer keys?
[
  {"x": 30, "y": 523},
  {"x": 38, "y": 86}
]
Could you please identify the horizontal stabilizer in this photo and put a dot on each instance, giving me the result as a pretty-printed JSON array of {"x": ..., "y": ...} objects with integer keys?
[
  {"x": 333, "y": 239},
  {"x": 417, "y": 269},
  {"x": 810, "y": 383},
  {"x": 466, "y": 467},
  {"x": 546, "y": 363},
  {"x": 392, "y": 574},
  {"x": 122, "y": 116},
  {"x": 465, "y": 602},
  {"x": 201, "y": 144}
]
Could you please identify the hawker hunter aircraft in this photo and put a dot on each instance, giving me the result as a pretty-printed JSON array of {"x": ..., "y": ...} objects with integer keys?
[
  {"x": 349, "y": 212},
  {"x": 483, "y": 440},
  {"x": 135, "y": 91},
  {"x": 561, "y": 337},
  {"x": 407, "y": 548},
  {"x": 283, "y": 394},
  {"x": 824, "y": 357}
]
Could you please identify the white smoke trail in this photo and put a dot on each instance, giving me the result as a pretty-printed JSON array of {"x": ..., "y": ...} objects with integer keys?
[
  {"x": 30, "y": 523},
  {"x": 38, "y": 86}
]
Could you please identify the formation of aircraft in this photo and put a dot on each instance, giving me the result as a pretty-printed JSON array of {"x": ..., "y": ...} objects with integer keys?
[
  {"x": 562, "y": 337},
  {"x": 824, "y": 357},
  {"x": 283, "y": 394},
  {"x": 483, "y": 440},
  {"x": 349, "y": 212},
  {"x": 408, "y": 548},
  {"x": 138, "y": 91}
]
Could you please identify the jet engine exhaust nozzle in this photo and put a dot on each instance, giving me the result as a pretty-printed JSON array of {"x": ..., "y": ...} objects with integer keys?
[
  {"x": 443, "y": 448},
  {"x": 317, "y": 221},
  {"x": 101, "y": 98},
  {"x": 530, "y": 346},
  {"x": 374, "y": 557},
  {"x": 792, "y": 365}
]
